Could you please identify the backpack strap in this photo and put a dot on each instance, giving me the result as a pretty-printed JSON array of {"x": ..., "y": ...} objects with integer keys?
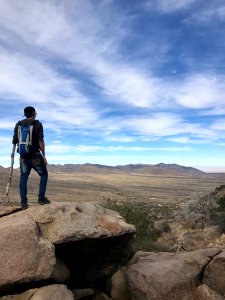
[{"x": 36, "y": 124}]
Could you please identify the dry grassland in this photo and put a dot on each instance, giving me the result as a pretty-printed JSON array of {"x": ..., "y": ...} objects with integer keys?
[{"x": 116, "y": 187}]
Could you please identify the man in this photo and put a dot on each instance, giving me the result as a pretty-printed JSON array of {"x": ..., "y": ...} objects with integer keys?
[{"x": 34, "y": 158}]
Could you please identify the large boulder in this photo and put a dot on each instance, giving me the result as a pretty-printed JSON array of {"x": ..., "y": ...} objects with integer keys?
[
  {"x": 118, "y": 286},
  {"x": 66, "y": 222},
  {"x": 77, "y": 243},
  {"x": 25, "y": 256},
  {"x": 215, "y": 273},
  {"x": 160, "y": 276},
  {"x": 205, "y": 293},
  {"x": 23, "y": 296},
  {"x": 53, "y": 291}
]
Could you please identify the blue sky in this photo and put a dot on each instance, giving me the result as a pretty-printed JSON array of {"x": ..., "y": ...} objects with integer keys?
[{"x": 116, "y": 81}]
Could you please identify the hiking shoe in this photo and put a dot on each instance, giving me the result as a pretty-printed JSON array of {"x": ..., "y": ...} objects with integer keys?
[
  {"x": 24, "y": 206},
  {"x": 43, "y": 201}
]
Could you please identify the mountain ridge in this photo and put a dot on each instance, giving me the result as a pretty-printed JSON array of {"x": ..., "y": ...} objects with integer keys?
[{"x": 157, "y": 169}]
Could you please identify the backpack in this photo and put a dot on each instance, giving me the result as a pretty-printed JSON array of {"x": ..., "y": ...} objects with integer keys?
[{"x": 25, "y": 133}]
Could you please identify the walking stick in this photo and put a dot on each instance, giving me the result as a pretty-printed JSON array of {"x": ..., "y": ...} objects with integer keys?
[{"x": 10, "y": 174}]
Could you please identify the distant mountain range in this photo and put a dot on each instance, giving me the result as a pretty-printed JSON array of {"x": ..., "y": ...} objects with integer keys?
[
  {"x": 158, "y": 169},
  {"x": 147, "y": 169}
]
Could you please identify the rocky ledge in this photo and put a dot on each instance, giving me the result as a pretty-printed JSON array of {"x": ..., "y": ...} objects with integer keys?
[
  {"x": 49, "y": 251},
  {"x": 65, "y": 251}
]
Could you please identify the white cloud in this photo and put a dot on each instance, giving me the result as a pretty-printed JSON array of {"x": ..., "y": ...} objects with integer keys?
[
  {"x": 5, "y": 140},
  {"x": 33, "y": 21},
  {"x": 187, "y": 140},
  {"x": 182, "y": 140},
  {"x": 157, "y": 124},
  {"x": 219, "y": 125},
  {"x": 122, "y": 138},
  {"x": 7, "y": 123},
  {"x": 166, "y": 124},
  {"x": 93, "y": 47},
  {"x": 169, "y": 6},
  {"x": 41, "y": 40},
  {"x": 201, "y": 131},
  {"x": 201, "y": 91},
  {"x": 126, "y": 84},
  {"x": 84, "y": 45},
  {"x": 27, "y": 81},
  {"x": 24, "y": 78},
  {"x": 218, "y": 110},
  {"x": 66, "y": 149},
  {"x": 207, "y": 13}
]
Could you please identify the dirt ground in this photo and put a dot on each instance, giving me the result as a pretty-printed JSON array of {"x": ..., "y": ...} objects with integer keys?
[{"x": 120, "y": 187}]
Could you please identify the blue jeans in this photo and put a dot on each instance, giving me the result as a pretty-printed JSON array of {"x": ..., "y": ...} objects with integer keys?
[{"x": 36, "y": 162}]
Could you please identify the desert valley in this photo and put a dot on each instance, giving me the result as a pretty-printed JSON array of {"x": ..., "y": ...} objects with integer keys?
[
  {"x": 160, "y": 184},
  {"x": 163, "y": 201}
]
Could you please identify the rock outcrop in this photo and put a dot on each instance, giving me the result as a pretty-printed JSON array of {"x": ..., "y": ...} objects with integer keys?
[
  {"x": 214, "y": 275},
  {"x": 66, "y": 251},
  {"x": 196, "y": 275},
  {"x": 77, "y": 244}
]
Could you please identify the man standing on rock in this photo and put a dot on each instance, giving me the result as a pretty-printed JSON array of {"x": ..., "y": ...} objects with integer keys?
[{"x": 29, "y": 137}]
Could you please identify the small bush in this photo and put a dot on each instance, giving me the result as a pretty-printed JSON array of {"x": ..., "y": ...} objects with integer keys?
[
  {"x": 138, "y": 215},
  {"x": 221, "y": 202},
  {"x": 221, "y": 225},
  {"x": 221, "y": 221},
  {"x": 165, "y": 227},
  {"x": 219, "y": 188}
]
